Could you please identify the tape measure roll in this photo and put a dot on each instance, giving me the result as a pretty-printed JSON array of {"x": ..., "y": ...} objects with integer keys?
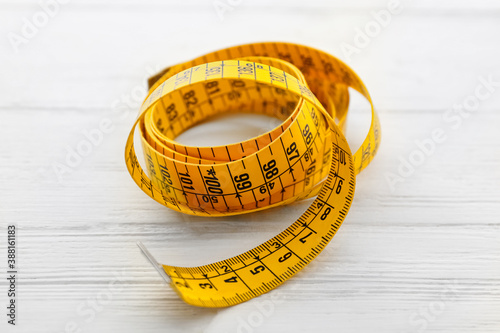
[{"x": 307, "y": 90}]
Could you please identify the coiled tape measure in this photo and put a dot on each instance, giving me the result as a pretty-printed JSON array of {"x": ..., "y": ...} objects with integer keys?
[{"x": 307, "y": 90}]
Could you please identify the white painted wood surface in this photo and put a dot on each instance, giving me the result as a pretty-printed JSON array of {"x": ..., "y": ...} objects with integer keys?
[{"x": 422, "y": 257}]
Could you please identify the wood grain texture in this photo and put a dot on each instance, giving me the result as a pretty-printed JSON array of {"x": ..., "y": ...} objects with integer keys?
[{"x": 423, "y": 256}]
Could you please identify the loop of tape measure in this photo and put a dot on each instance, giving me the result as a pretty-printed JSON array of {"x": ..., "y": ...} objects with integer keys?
[{"x": 306, "y": 156}]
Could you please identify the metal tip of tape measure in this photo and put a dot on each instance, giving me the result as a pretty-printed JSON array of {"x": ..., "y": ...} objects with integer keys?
[{"x": 153, "y": 262}]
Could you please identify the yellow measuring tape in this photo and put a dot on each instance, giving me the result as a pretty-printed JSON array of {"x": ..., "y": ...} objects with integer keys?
[{"x": 307, "y": 90}]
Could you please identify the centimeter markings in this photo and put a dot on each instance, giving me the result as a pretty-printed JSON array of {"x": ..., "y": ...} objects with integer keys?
[
  {"x": 315, "y": 249},
  {"x": 244, "y": 177},
  {"x": 301, "y": 157}
]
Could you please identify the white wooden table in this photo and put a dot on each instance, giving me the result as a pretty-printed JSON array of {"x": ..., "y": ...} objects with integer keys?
[{"x": 418, "y": 253}]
